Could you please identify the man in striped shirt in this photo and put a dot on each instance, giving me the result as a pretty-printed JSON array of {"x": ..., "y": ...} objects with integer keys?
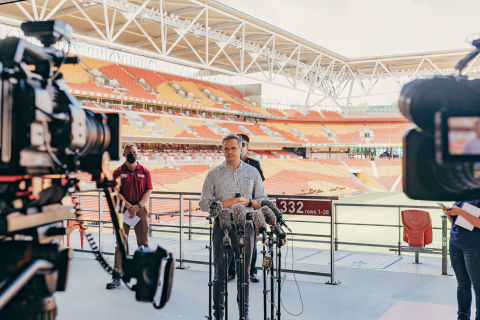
[{"x": 232, "y": 182}]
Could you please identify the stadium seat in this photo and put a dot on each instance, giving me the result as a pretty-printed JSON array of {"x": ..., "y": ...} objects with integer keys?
[
  {"x": 417, "y": 230},
  {"x": 72, "y": 225}
]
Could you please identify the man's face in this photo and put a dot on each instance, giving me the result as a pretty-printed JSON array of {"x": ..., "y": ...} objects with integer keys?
[
  {"x": 245, "y": 145},
  {"x": 231, "y": 150},
  {"x": 129, "y": 150}
]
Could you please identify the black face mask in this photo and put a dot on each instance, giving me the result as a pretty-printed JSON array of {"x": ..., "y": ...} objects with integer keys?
[{"x": 131, "y": 158}]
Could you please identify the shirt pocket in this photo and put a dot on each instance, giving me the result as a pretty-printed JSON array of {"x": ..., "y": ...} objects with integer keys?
[{"x": 246, "y": 188}]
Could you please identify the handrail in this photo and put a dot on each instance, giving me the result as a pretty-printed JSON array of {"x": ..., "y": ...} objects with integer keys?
[
  {"x": 187, "y": 210},
  {"x": 194, "y": 196}
]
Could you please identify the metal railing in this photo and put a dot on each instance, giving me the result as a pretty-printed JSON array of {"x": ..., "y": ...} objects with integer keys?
[
  {"x": 182, "y": 211},
  {"x": 186, "y": 209},
  {"x": 398, "y": 246}
]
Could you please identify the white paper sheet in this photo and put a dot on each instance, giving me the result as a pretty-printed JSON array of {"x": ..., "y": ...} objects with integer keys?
[
  {"x": 462, "y": 222},
  {"x": 132, "y": 222}
]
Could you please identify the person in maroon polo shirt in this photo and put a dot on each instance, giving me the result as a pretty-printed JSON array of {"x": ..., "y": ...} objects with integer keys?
[{"x": 135, "y": 190}]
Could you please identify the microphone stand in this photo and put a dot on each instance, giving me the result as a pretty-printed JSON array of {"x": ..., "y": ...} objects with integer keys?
[
  {"x": 210, "y": 283},
  {"x": 227, "y": 245},
  {"x": 279, "y": 278},
  {"x": 241, "y": 260},
  {"x": 272, "y": 270},
  {"x": 265, "y": 265}
]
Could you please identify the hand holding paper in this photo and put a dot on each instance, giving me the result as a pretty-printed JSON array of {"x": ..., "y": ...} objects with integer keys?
[
  {"x": 132, "y": 222},
  {"x": 472, "y": 210}
]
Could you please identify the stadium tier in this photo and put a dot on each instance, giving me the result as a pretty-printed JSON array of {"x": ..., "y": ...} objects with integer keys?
[
  {"x": 159, "y": 108},
  {"x": 292, "y": 176},
  {"x": 181, "y": 126},
  {"x": 102, "y": 79}
]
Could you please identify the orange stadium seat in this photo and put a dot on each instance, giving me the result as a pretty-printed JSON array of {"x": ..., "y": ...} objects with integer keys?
[
  {"x": 149, "y": 76},
  {"x": 332, "y": 115},
  {"x": 276, "y": 112},
  {"x": 114, "y": 71}
]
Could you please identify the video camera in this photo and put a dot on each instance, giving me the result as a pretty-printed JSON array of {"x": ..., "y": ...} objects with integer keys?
[
  {"x": 46, "y": 138},
  {"x": 442, "y": 155}
]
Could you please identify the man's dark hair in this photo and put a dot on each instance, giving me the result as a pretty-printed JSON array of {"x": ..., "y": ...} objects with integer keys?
[
  {"x": 230, "y": 137},
  {"x": 244, "y": 137}
]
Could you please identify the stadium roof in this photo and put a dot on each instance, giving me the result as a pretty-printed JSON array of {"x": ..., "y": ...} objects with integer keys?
[{"x": 215, "y": 38}]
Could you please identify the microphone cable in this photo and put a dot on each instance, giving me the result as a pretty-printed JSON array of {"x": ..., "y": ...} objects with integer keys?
[{"x": 295, "y": 280}]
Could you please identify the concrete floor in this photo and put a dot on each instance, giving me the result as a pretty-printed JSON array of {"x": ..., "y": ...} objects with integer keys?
[{"x": 362, "y": 294}]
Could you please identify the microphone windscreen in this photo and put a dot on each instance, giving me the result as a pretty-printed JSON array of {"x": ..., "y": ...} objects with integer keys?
[
  {"x": 225, "y": 220},
  {"x": 269, "y": 215},
  {"x": 259, "y": 221},
  {"x": 215, "y": 209},
  {"x": 239, "y": 216},
  {"x": 272, "y": 207}
]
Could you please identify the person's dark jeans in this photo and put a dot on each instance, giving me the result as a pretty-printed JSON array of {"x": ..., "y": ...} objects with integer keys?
[
  {"x": 231, "y": 266},
  {"x": 466, "y": 265},
  {"x": 219, "y": 266},
  {"x": 253, "y": 264}
]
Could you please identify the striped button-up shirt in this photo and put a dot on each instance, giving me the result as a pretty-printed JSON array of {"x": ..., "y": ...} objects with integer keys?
[{"x": 223, "y": 183}]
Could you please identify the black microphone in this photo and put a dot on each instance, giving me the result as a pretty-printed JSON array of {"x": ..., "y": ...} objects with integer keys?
[
  {"x": 259, "y": 221},
  {"x": 278, "y": 213},
  {"x": 239, "y": 217},
  {"x": 215, "y": 208},
  {"x": 225, "y": 220},
  {"x": 269, "y": 216},
  {"x": 272, "y": 221}
]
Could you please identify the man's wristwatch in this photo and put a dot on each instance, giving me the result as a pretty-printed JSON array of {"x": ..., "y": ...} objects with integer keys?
[
  {"x": 140, "y": 205},
  {"x": 249, "y": 203}
]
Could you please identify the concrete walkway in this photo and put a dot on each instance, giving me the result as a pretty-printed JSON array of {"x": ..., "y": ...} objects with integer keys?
[{"x": 363, "y": 294}]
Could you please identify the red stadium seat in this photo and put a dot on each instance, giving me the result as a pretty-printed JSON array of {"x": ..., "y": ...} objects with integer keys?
[
  {"x": 72, "y": 225},
  {"x": 417, "y": 231}
]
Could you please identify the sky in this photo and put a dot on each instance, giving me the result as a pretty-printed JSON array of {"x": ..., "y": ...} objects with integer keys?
[
  {"x": 365, "y": 28},
  {"x": 359, "y": 28}
]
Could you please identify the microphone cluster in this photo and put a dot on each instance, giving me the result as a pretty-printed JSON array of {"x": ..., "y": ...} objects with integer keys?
[
  {"x": 271, "y": 218},
  {"x": 267, "y": 214},
  {"x": 278, "y": 213}
]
